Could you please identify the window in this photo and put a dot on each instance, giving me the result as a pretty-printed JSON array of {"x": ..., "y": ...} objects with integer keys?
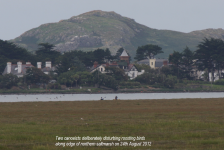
[
  {"x": 101, "y": 69},
  {"x": 151, "y": 63}
]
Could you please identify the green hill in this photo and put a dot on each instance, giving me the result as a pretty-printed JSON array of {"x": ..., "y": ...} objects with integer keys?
[{"x": 99, "y": 29}]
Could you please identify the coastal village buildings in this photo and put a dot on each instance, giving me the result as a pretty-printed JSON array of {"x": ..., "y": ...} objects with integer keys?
[
  {"x": 154, "y": 63},
  {"x": 20, "y": 69},
  {"x": 200, "y": 75},
  {"x": 123, "y": 63},
  {"x": 48, "y": 67}
]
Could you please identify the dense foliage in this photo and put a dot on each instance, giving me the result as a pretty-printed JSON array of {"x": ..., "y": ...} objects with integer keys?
[
  {"x": 35, "y": 75},
  {"x": 104, "y": 80},
  {"x": 46, "y": 52},
  {"x": 146, "y": 51},
  {"x": 210, "y": 55},
  {"x": 182, "y": 63},
  {"x": 117, "y": 73},
  {"x": 8, "y": 80},
  {"x": 13, "y": 53}
]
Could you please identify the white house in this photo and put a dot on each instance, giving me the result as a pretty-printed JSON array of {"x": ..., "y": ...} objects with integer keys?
[
  {"x": 100, "y": 68},
  {"x": 20, "y": 69},
  {"x": 132, "y": 72},
  {"x": 48, "y": 67},
  {"x": 200, "y": 75}
]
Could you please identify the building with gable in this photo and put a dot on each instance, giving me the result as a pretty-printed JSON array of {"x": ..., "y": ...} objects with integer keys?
[
  {"x": 124, "y": 57},
  {"x": 132, "y": 71}
]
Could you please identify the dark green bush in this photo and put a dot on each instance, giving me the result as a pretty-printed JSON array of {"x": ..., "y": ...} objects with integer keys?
[
  {"x": 54, "y": 86},
  {"x": 219, "y": 82},
  {"x": 8, "y": 81},
  {"x": 170, "y": 81},
  {"x": 130, "y": 84}
]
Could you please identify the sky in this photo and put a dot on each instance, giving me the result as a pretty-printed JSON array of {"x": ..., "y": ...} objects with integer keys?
[{"x": 18, "y": 16}]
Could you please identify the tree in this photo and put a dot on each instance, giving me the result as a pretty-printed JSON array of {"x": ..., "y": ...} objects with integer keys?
[
  {"x": 168, "y": 70},
  {"x": 68, "y": 62},
  {"x": 11, "y": 52},
  {"x": 182, "y": 63},
  {"x": 187, "y": 62},
  {"x": 209, "y": 53},
  {"x": 104, "y": 80},
  {"x": 117, "y": 73},
  {"x": 100, "y": 55},
  {"x": 46, "y": 52},
  {"x": 147, "y": 50},
  {"x": 77, "y": 65},
  {"x": 176, "y": 59},
  {"x": 145, "y": 67},
  {"x": 170, "y": 81},
  {"x": 35, "y": 75},
  {"x": 67, "y": 78},
  {"x": 3, "y": 61},
  {"x": 108, "y": 55},
  {"x": 150, "y": 78},
  {"x": 118, "y": 53},
  {"x": 8, "y": 80},
  {"x": 85, "y": 78},
  {"x": 86, "y": 58},
  {"x": 76, "y": 78}
]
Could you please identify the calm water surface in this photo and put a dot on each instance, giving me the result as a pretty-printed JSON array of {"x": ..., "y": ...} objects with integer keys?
[{"x": 93, "y": 97}]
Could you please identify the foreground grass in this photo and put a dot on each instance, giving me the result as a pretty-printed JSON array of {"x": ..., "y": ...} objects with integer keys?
[{"x": 168, "y": 124}]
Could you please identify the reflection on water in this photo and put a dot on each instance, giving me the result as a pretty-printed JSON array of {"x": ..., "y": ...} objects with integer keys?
[{"x": 92, "y": 97}]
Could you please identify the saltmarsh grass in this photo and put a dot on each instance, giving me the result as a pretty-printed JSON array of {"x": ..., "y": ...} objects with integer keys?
[{"x": 168, "y": 124}]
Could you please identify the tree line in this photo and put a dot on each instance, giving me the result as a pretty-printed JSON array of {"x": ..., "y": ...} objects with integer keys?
[
  {"x": 72, "y": 67},
  {"x": 208, "y": 57}
]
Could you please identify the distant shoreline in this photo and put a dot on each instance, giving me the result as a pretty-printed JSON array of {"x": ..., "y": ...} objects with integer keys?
[{"x": 127, "y": 92}]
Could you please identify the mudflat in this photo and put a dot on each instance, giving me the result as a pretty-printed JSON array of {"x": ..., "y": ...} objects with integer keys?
[{"x": 167, "y": 124}]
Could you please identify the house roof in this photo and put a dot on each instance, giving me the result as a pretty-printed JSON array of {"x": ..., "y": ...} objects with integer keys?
[
  {"x": 14, "y": 69},
  {"x": 92, "y": 68},
  {"x": 48, "y": 69},
  {"x": 124, "y": 53},
  {"x": 159, "y": 62},
  {"x": 130, "y": 66},
  {"x": 144, "y": 61}
]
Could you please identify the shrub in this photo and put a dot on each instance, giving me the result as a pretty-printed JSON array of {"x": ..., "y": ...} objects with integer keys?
[
  {"x": 130, "y": 84},
  {"x": 170, "y": 81},
  {"x": 219, "y": 82},
  {"x": 8, "y": 81},
  {"x": 54, "y": 86}
]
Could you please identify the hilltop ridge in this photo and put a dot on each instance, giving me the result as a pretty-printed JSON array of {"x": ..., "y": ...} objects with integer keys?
[{"x": 101, "y": 29}]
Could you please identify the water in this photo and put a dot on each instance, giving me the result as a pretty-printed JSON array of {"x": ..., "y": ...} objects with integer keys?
[{"x": 93, "y": 97}]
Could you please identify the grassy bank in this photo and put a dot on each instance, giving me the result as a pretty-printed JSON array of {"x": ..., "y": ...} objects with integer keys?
[
  {"x": 168, "y": 124},
  {"x": 144, "y": 89}
]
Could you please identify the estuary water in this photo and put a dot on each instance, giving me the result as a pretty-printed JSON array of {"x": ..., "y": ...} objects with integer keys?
[{"x": 94, "y": 97}]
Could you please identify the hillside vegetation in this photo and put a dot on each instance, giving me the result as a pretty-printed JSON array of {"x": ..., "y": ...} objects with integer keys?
[{"x": 99, "y": 29}]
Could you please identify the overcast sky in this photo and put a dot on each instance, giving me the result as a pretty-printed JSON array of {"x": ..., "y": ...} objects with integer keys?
[{"x": 18, "y": 16}]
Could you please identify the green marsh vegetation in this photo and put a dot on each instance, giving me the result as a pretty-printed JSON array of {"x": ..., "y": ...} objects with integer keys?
[{"x": 168, "y": 124}]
